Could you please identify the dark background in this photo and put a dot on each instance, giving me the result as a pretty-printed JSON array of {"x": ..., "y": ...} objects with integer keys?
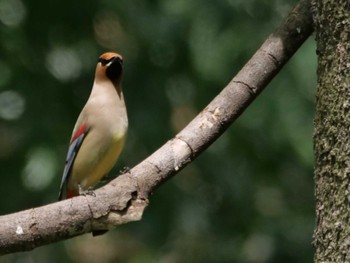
[{"x": 248, "y": 198}]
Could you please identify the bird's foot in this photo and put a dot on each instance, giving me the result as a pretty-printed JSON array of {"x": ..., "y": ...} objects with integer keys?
[
  {"x": 89, "y": 191},
  {"x": 125, "y": 169}
]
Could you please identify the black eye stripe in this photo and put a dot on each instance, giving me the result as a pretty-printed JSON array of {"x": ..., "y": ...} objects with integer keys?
[{"x": 106, "y": 61}]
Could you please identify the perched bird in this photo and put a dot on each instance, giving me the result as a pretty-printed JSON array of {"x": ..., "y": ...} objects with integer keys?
[{"x": 99, "y": 134}]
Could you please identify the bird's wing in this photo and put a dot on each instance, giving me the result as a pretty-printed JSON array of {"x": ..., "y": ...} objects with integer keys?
[{"x": 77, "y": 140}]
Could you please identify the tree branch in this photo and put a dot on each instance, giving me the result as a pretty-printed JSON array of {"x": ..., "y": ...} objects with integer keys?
[{"x": 125, "y": 198}]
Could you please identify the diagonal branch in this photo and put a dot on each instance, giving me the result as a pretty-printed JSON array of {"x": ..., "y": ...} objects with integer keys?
[{"x": 125, "y": 198}]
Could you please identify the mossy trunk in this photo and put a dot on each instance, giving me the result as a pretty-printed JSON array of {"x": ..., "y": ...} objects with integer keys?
[{"x": 332, "y": 131}]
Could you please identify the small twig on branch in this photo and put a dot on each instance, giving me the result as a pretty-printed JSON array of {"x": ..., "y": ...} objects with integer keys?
[{"x": 125, "y": 198}]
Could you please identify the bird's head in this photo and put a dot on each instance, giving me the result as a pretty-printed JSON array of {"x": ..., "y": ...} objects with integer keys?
[{"x": 110, "y": 66}]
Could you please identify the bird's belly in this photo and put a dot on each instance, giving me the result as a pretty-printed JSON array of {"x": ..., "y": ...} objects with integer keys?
[{"x": 98, "y": 160}]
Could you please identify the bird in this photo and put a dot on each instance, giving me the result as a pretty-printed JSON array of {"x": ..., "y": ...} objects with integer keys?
[{"x": 100, "y": 131}]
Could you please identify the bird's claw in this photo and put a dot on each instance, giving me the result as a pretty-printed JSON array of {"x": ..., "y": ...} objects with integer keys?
[
  {"x": 125, "y": 169},
  {"x": 88, "y": 191}
]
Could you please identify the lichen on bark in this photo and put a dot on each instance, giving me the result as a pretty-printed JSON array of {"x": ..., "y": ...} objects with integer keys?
[{"x": 332, "y": 131}]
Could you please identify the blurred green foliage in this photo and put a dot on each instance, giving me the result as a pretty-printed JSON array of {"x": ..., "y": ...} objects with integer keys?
[{"x": 248, "y": 198}]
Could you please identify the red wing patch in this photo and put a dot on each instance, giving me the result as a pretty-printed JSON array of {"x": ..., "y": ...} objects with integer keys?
[{"x": 79, "y": 132}]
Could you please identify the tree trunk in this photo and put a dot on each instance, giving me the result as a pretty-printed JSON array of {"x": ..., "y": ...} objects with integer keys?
[{"x": 332, "y": 132}]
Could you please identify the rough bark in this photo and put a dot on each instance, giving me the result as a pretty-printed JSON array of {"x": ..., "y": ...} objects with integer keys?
[
  {"x": 124, "y": 199},
  {"x": 332, "y": 131}
]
